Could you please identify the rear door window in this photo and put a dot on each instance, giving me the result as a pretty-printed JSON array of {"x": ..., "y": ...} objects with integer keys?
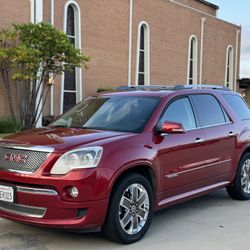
[
  {"x": 209, "y": 110},
  {"x": 238, "y": 105}
]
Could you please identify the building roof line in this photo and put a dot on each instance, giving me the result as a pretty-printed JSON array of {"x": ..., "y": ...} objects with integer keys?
[
  {"x": 209, "y": 4},
  {"x": 204, "y": 13}
]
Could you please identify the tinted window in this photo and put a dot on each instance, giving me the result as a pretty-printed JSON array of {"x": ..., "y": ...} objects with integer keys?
[
  {"x": 118, "y": 113},
  {"x": 238, "y": 105},
  {"x": 180, "y": 111},
  {"x": 209, "y": 110}
]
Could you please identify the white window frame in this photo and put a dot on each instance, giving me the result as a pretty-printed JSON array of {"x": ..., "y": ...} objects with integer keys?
[
  {"x": 195, "y": 60},
  {"x": 78, "y": 44},
  {"x": 146, "y": 53},
  {"x": 229, "y": 67}
]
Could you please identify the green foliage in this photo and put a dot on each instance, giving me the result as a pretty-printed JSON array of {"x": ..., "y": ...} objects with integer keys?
[
  {"x": 56, "y": 52},
  {"x": 26, "y": 63},
  {"x": 8, "y": 125},
  {"x": 30, "y": 54},
  {"x": 105, "y": 89}
]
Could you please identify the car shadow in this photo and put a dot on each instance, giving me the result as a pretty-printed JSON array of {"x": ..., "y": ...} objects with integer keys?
[{"x": 29, "y": 237}]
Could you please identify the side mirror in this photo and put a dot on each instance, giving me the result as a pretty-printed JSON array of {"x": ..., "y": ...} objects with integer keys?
[{"x": 168, "y": 127}]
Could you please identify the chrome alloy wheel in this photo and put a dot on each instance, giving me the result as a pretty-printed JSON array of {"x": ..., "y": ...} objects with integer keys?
[
  {"x": 134, "y": 209},
  {"x": 245, "y": 176}
]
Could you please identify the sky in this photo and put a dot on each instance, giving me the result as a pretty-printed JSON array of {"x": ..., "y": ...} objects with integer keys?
[{"x": 238, "y": 12}]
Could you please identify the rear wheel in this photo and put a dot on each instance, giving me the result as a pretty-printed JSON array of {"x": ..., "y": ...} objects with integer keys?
[
  {"x": 240, "y": 188},
  {"x": 130, "y": 211}
]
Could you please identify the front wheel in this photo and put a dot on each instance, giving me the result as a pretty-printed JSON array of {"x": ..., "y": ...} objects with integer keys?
[
  {"x": 240, "y": 188},
  {"x": 130, "y": 211}
]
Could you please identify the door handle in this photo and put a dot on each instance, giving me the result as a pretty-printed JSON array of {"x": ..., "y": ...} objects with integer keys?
[
  {"x": 199, "y": 140},
  {"x": 231, "y": 134}
]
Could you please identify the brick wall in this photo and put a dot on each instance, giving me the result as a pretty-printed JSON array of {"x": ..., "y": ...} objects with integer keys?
[
  {"x": 105, "y": 38},
  {"x": 11, "y": 11}
]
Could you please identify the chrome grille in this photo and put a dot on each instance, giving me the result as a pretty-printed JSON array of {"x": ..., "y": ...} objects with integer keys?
[
  {"x": 33, "y": 162},
  {"x": 23, "y": 210}
]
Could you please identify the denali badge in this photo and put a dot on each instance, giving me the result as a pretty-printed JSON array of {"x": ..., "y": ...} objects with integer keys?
[{"x": 16, "y": 158}]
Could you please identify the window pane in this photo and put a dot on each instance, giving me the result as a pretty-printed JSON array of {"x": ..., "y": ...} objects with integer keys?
[
  {"x": 180, "y": 111},
  {"x": 141, "y": 63},
  {"x": 70, "y": 21},
  {"x": 209, "y": 110},
  {"x": 192, "y": 49},
  {"x": 72, "y": 40},
  {"x": 142, "y": 38},
  {"x": 228, "y": 57},
  {"x": 191, "y": 69},
  {"x": 70, "y": 80},
  {"x": 238, "y": 105},
  {"x": 141, "y": 79},
  {"x": 228, "y": 77},
  {"x": 69, "y": 101}
]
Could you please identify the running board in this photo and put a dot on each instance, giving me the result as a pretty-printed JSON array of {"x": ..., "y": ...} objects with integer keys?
[{"x": 193, "y": 193}]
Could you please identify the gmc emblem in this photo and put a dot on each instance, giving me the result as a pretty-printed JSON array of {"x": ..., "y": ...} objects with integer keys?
[{"x": 16, "y": 158}]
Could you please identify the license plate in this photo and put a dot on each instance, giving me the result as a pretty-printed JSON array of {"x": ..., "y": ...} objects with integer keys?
[{"x": 7, "y": 193}]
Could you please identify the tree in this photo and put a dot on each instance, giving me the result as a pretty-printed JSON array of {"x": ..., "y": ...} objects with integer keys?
[{"x": 30, "y": 55}]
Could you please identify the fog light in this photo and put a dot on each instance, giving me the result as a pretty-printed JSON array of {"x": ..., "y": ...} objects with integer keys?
[{"x": 73, "y": 191}]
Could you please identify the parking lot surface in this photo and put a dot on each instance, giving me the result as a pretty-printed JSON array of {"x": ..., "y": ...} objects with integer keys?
[{"x": 210, "y": 222}]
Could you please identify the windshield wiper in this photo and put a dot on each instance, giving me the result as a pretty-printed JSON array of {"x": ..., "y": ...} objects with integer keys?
[
  {"x": 95, "y": 128},
  {"x": 59, "y": 126}
]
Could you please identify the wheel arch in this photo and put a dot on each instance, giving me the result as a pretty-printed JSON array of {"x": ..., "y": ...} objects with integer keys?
[
  {"x": 142, "y": 169},
  {"x": 247, "y": 150}
]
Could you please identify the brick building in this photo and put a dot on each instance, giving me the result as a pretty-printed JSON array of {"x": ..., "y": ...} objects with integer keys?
[{"x": 134, "y": 42}]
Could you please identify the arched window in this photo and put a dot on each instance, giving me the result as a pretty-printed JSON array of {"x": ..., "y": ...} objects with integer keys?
[
  {"x": 229, "y": 68},
  {"x": 143, "y": 55},
  {"x": 192, "y": 61},
  {"x": 72, "y": 80}
]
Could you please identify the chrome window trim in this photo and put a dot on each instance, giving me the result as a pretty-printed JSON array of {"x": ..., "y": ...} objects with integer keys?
[
  {"x": 215, "y": 125},
  {"x": 209, "y": 126},
  {"x": 39, "y": 191}
]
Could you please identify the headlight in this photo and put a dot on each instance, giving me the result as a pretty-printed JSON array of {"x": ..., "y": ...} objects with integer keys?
[{"x": 77, "y": 159}]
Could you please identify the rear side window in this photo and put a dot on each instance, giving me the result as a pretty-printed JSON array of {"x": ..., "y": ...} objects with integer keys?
[
  {"x": 209, "y": 110},
  {"x": 238, "y": 105},
  {"x": 180, "y": 111}
]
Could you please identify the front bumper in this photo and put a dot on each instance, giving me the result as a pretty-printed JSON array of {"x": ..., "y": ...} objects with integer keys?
[{"x": 44, "y": 207}]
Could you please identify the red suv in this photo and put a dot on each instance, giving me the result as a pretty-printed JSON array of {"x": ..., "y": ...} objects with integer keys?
[{"x": 112, "y": 160}]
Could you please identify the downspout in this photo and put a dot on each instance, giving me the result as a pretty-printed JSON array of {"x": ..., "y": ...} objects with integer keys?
[
  {"x": 130, "y": 42},
  {"x": 203, "y": 19},
  {"x": 52, "y": 8},
  {"x": 52, "y": 21},
  {"x": 38, "y": 19},
  {"x": 32, "y": 11},
  {"x": 236, "y": 59}
]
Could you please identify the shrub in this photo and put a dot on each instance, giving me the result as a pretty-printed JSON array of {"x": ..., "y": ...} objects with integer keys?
[
  {"x": 8, "y": 125},
  {"x": 104, "y": 89}
]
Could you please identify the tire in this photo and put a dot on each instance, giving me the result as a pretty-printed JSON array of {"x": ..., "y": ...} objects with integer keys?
[
  {"x": 130, "y": 209},
  {"x": 240, "y": 188}
]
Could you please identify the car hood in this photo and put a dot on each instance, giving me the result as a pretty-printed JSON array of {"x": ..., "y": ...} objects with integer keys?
[{"x": 59, "y": 139}]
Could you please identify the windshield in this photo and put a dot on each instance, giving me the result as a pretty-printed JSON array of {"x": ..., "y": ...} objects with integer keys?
[{"x": 119, "y": 113}]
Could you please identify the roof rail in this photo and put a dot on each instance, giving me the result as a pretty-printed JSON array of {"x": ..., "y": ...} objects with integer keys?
[
  {"x": 200, "y": 86},
  {"x": 171, "y": 88},
  {"x": 145, "y": 87}
]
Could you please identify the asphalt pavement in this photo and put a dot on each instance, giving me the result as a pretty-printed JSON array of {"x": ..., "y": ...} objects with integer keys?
[{"x": 212, "y": 222}]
